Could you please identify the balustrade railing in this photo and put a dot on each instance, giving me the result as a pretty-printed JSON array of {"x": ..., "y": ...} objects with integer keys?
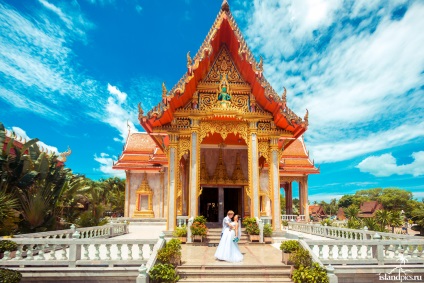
[
  {"x": 381, "y": 252},
  {"x": 289, "y": 217},
  {"x": 182, "y": 220},
  {"x": 41, "y": 252},
  {"x": 344, "y": 233},
  {"x": 105, "y": 231}
]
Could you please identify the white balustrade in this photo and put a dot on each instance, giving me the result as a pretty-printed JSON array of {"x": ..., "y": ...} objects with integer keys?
[
  {"x": 290, "y": 217},
  {"x": 41, "y": 252},
  {"x": 344, "y": 233},
  {"x": 106, "y": 231},
  {"x": 353, "y": 252}
]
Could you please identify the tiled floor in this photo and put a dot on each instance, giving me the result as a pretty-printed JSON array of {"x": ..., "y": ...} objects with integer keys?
[{"x": 253, "y": 255}]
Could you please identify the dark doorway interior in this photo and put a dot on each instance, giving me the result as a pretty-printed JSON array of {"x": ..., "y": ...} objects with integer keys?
[
  {"x": 209, "y": 204},
  {"x": 232, "y": 200}
]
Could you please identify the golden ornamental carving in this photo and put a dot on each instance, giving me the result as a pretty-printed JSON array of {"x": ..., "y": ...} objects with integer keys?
[
  {"x": 264, "y": 126},
  {"x": 220, "y": 176},
  {"x": 204, "y": 175},
  {"x": 288, "y": 179},
  {"x": 263, "y": 149},
  {"x": 223, "y": 128},
  {"x": 224, "y": 67},
  {"x": 239, "y": 102},
  {"x": 144, "y": 190},
  {"x": 238, "y": 176}
]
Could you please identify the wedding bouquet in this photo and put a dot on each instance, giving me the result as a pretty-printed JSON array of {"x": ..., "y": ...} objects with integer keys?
[{"x": 236, "y": 239}]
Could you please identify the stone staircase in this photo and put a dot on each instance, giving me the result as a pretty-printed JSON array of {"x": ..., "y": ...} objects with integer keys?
[
  {"x": 234, "y": 273},
  {"x": 214, "y": 236}
]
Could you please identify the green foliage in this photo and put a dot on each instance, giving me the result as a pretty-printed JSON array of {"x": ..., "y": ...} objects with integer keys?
[
  {"x": 418, "y": 218},
  {"x": 9, "y": 276},
  {"x": 289, "y": 246},
  {"x": 180, "y": 231},
  {"x": 164, "y": 273},
  {"x": 249, "y": 220},
  {"x": 313, "y": 274},
  {"x": 285, "y": 223},
  {"x": 8, "y": 215},
  {"x": 199, "y": 229},
  {"x": 7, "y": 245},
  {"x": 171, "y": 253},
  {"x": 371, "y": 224},
  {"x": 354, "y": 223},
  {"x": 327, "y": 221},
  {"x": 87, "y": 219},
  {"x": 383, "y": 217},
  {"x": 282, "y": 204},
  {"x": 300, "y": 257},
  {"x": 267, "y": 230},
  {"x": 252, "y": 229},
  {"x": 352, "y": 212},
  {"x": 200, "y": 219}
]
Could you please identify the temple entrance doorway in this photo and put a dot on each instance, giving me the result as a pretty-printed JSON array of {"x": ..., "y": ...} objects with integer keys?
[
  {"x": 209, "y": 204},
  {"x": 233, "y": 200}
]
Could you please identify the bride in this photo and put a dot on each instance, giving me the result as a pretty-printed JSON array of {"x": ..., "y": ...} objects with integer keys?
[{"x": 228, "y": 249}]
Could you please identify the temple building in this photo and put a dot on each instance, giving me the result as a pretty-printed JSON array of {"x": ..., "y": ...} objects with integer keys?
[{"x": 220, "y": 139}]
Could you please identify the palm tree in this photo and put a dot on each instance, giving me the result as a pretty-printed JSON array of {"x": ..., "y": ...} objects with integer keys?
[
  {"x": 352, "y": 212},
  {"x": 395, "y": 220},
  {"x": 371, "y": 224},
  {"x": 383, "y": 217}
]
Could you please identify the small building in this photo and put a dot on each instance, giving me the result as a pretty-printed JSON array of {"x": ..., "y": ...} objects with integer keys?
[
  {"x": 340, "y": 214},
  {"x": 317, "y": 211},
  {"x": 369, "y": 208}
]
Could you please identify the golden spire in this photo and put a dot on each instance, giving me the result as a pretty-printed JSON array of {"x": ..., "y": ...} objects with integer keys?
[
  {"x": 225, "y": 6},
  {"x": 189, "y": 61},
  {"x": 164, "y": 91},
  {"x": 284, "y": 95}
]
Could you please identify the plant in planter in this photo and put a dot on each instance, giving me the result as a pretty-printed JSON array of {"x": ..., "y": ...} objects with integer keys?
[
  {"x": 171, "y": 253},
  {"x": 289, "y": 247},
  {"x": 249, "y": 220},
  {"x": 268, "y": 233},
  {"x": 163, "y": 273},
  {"x": 181, "y": 233},
  {"x": 310, "y": 274},
  {"x": 252, "y": 228},
  {"x": 7, "y": 246},
  {"x": 198, "y": 228},
  {"x": 285, "y": 223},
  {"x": 301, "y": 257},
  {"x": 10, "y": 276}
]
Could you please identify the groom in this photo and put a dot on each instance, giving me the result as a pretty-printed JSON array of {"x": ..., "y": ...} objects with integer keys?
[{"x": 226, "y": 223}]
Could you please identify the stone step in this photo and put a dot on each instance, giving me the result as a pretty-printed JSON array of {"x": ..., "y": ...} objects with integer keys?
[{"x": 246, "y": 280}]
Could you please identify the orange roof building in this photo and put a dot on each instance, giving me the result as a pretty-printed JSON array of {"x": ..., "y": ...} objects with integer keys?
[
  {"x": 220, "y": 139},
  {"x": 369, "y": 208}
]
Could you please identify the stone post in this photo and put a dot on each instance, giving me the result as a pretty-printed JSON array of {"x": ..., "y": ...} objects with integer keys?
[
  {"x": 127, "y": 194},
  {"x": 377, "y": 250},
  {"x": 74, "y": 249},
  {"x": 261, "y": 229},
  {"x": 275, "y": 180},
  {"x": 190, "y": 222},
  {"x": 331, "y": 276},
  {"x": 142, "y": 275}
]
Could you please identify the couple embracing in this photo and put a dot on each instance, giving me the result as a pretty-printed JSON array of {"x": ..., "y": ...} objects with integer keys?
[{"x": 228, "y": 249}]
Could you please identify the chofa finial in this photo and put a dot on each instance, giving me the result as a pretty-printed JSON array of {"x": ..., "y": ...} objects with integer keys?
[
  {"x": 284, "y": 95},
  {"x": 225, "y": 6},
  {"x": 189, "y": 60},
  {"x": 164, "y": 91}
]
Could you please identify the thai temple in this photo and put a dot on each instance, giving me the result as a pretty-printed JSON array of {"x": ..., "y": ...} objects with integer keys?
[{"x": 220, "y": 139}]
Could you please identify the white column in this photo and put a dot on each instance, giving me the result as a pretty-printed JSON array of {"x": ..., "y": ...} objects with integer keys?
[
  {"x": 172, "y": 209},
  {"x": 305, "y": 198},
  {"x": 254, "y": 183},
  {"x": 193, "y": 174},
  {"x": 127, "y": 194},
  {"x": 276, "y": 210}
]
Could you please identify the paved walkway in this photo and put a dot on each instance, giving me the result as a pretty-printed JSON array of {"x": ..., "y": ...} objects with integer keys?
[
  {"x": 253, "y": 255},
  {"x": 142, "y": 231}
]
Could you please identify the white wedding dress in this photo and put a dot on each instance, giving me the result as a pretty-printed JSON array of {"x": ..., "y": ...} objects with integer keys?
[{"x": 228, "y": 250}]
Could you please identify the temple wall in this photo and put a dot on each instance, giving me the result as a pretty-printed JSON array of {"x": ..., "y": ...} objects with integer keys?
[
  {"x": 229, "y": 157},
  {"x": 155, "y": 184}
]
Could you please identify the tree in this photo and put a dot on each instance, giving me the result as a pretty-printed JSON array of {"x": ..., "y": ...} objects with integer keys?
[
  {"x": 395, "y": 199},
  {"x": 352, "y": 212},
  {"x": 283, "y": 204},
  {"x": 418, "y": 218},
  {"x": 383, "y": 217},
  {"x": 396, "y": 220}
]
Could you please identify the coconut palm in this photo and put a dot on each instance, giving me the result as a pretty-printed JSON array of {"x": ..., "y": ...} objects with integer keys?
[
  {"x": 352, "y": 212},
  {"x": 383, "y": 217},
  {"x": 396, "y": 220}
]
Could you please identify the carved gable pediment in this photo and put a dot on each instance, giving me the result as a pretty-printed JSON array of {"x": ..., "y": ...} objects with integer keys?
[{"x": 223, "y": 66}]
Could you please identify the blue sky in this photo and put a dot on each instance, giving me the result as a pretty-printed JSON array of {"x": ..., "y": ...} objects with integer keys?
[{"x": 72, "y": 73}]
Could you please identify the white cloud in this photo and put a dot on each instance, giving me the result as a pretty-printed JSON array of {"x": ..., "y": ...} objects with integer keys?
[
  {"x": 323, "y": 197},
  {"x": 360, "y": 76},
  {"x": 22, "y": 134},
  {"x": 106, "y": 163},
  {"x": 118, "y": 115},
  {"x": 385, "y": 165}
]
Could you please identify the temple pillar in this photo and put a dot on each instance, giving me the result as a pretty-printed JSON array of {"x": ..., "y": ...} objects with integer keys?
[
  {"x": 254, "y": 169},
  {"x": 221, "y": 211},
  {"x": 305, "y": 198},
  {"x": 172, "y": 176},
  {"x": 275, "y": 184},
  {"x": 162, "y": 188},
  {"x": 194, "y": 168},
  {"x": 301, "y": 203},
  {"x": 127, "y": 194}
]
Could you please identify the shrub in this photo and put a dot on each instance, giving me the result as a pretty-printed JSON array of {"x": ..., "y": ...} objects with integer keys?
[
  {"x": 289, "y": 246},
  {"x": 9, "y": 276},
  {"x": 198, "y": 229},
  {"x": 312, "y": 274},
  {"x": 7, "y": 245},
  {"x": 164, "y": 273},
  {"x": 327, "y": 221},
  {"x": 171, "y": 253},
  {"x": 267, "y": 230},
  {"x": 200, "y": 219},
  {"x": 249, "y": 220},
  {"x": 301, "y": 257},
  {"x": 252, "y": 229},
  {"x": 180, "y": 231},
  {"x": 285, "y": 223}
]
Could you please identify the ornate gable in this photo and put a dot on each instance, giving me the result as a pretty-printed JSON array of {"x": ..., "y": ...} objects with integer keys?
[{"x": 223, "y": 66}]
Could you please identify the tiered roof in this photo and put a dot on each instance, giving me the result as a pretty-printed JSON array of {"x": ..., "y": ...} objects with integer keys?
[{"x": 295, "y": 160}]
